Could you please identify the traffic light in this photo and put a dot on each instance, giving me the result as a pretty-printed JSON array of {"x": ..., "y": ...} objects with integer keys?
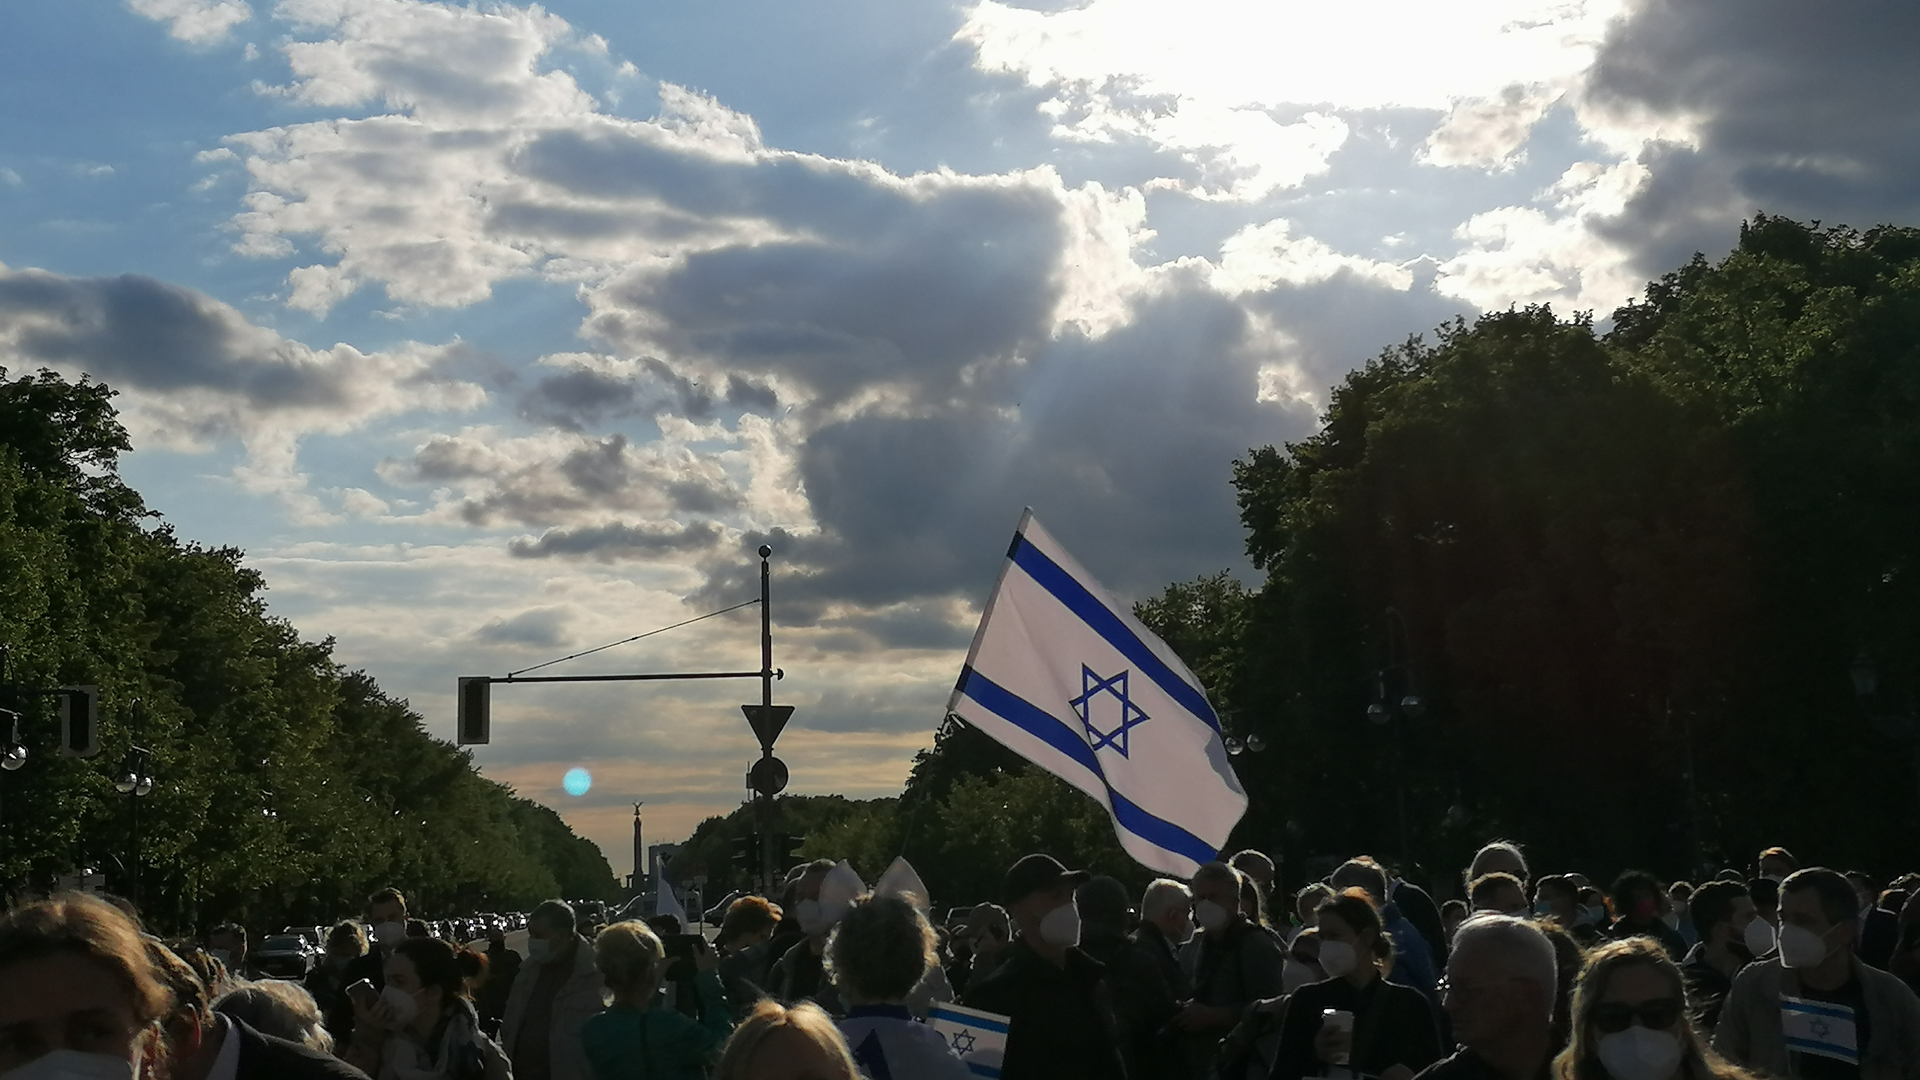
[
  {"x": 745, "y": 852},
  {"x": 472, "y": 727},
  {"x": 789, "y": 851},
  {"x": 79, "y": 720}
]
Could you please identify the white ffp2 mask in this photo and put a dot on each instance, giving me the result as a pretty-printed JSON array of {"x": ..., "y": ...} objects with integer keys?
[
  {"x": 1061, "y": 926},
  {"x": 1639, "y": 1053}
]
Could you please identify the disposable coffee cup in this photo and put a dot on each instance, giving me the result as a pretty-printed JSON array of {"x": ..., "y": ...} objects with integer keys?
[{"x": 1338, "y": 1020}]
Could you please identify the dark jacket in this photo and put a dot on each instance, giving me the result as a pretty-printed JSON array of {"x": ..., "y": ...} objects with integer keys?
[
  {"x": 1467, "y": 1065},
  {"x": 1143, "y": 1003},
  {"x": 1875, "y": 943},
  {"x": 1150, "y": 943},
  {"x": 1706, "y": 989},
  {"x": 1241, "y": 965},
  {"x": 1392, "y": 1025},
  {"x": 503, "y": 966},
  {"x": 1061, "y": 1024},
  {"x": 1417, "y": 905},
  {"x": 263, "y": 1057}
]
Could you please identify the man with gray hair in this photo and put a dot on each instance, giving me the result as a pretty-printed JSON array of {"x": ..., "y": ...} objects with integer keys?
[
  {"x": 1166, "y": 923},
  {"x": 1234, "y": 963},
  {"x": 1499, "y": 996}
]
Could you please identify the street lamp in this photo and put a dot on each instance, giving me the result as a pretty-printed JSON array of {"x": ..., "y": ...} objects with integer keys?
[
  {"x": 14, "y": 756},
  {"x": 1384, "y": 710},
  {"x": 135, "y": 782}
]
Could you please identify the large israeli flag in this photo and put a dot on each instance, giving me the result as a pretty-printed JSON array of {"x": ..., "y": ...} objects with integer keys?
[{"x": 1065, "y": 676}]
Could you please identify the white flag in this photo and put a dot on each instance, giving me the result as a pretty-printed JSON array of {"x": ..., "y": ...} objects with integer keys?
[
  {"x": 664, "y": 902},
  {"x": 1065, "y": 676}
]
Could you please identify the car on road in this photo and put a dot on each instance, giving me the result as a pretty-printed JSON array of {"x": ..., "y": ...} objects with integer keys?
[{"x": 285, "y": 956}]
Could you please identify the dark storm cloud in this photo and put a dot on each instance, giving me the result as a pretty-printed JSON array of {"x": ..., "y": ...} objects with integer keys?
[
  {"x": 1802, "y": 109},
  {"x": 1123, "y": 446},
  {"x": 545, "y": 627},
  {"x": 619, "y": 540},
  {"x": 579, "y": 397}
]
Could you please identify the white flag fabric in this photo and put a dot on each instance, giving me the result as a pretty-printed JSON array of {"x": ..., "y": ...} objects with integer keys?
[
  {"x": 979, "y": 1037},
  {"x": 1065, "y": 676},
  {"x": 664, "y": 902}
]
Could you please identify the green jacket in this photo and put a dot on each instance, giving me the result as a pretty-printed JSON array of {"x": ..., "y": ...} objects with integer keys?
[{"x": 625, "y": 1043}]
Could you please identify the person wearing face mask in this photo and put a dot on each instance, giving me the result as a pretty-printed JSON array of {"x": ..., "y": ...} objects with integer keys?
[
  {"x": 1389, "y": 1031},
  {"x": 1816, "y": 1012},
  {"x": 1061, "y": 1026},
  {"x": 797, "y": 972},
  {"x": 1166, "y": 923},
  {"x": 386, "y": 915},
  {"x": 503, "y": 966},
  {"x": 1500, "y": 995},
  {"x": 1637, "y": 897},
  {"x": 424, "y": 1026},
  {"x": 227, "y": 943},
  {"x": 1732, "y": 935},
  {"x": 78, "y": 994},
  {"x": 1557, "y": 897},
  {"x": 557, "y": 991},
  {"x": 1630, "y": 1020},
  {"x": 1234, "y": 962},
  {"x": 1679, "y": 901},
  {"x": 1143, "y": 1001},
  {"x": 327, "y": 982},
  {"x": 1415, "y": 958},
  {"x": 204, "y": 1042}
]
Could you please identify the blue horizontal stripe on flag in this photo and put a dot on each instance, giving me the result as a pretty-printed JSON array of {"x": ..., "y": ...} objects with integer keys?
[
  {"x": 987, "y": 1071},
  {"x": 1823, "y": 1049},
  {"x": 1118, "y": 634},
  {"x": 969, "y": 1021},
  {"x": 1815, "y": 1008},
  {"x": 1030, "y": 718}
]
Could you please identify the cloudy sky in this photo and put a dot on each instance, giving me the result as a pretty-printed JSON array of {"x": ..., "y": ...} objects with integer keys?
[{"x": 497, "y": 332}]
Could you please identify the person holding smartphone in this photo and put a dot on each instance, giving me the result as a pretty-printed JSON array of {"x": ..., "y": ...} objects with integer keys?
[{"x": 636, "y": 1039}]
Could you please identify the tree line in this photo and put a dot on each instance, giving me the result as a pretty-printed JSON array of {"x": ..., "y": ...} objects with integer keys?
[
  {"x": 287, "y": 787},
  {"x": 1655, "y": 588}
]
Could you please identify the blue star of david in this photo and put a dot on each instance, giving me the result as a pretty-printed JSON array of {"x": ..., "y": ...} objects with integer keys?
[
  {"x": 963, "y": 1042},
  {"x": 1131, "y": 715},
  {"x": 1818, "y": 1029}
]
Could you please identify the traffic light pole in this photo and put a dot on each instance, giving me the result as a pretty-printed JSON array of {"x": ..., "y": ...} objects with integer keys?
[
  {"x": 760, "y": 794},
  {"x": 768, "y": 776}
]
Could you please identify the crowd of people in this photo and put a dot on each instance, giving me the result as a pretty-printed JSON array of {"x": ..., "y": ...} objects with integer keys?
[{"x": 1784, "y": 972}]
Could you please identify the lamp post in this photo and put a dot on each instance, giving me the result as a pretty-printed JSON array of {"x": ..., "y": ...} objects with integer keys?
[
  {"x": 135, "y": 782},
  {"x": 1386, "y": 711},
  {"x": 13, "y": 756}
]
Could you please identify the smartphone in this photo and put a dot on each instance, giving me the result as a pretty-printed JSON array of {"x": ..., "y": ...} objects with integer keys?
[{"x": 363, "y": 994}]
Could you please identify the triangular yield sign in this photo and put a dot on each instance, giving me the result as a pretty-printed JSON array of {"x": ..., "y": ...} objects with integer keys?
[{"x": 768, "y": 721}]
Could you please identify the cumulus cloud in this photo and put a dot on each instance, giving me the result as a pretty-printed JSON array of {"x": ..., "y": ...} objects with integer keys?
[
  {"x": 198, "y": 22},
  {"x": 1249, "y": 92},
  {"x": 545, "y": 627},
  {"x": 198, "y": 371},
  {"x": 1776, "y": 106}
]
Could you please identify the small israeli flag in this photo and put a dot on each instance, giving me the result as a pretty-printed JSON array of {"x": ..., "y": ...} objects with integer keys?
[
  {"x": 978, "y": 1036},
  {"x": 1821, "y": 1028},
  {"x": 1065, "y": 676}
]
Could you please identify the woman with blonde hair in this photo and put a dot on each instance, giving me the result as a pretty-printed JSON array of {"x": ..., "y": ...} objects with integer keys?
[
  {"x": 78, "y": 992},
  {"x": 1630, "y": 1021},
  {"x": 634, "y": 1040},
  {"x": 777, "y": 1042}
]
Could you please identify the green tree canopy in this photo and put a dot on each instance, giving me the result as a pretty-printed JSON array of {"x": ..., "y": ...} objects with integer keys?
[{"x": 288, "y": 788}]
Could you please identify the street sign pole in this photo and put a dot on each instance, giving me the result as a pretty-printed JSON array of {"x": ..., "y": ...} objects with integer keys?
[{"x": 766, "y": 710}]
